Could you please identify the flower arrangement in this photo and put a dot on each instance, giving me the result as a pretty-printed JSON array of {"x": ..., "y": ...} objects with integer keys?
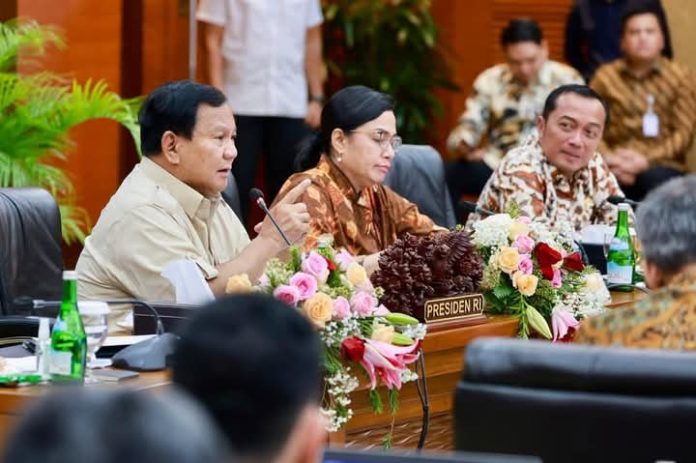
[
  {"x": 532, "y": 271},
  {"x": 332, "y": 289}
]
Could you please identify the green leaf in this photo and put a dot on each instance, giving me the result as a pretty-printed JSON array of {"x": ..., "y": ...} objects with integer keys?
[
  {"x": 38, "y": 110},
  {"x": 376, "y": 401},
  {"x": 393, "y": 397}
]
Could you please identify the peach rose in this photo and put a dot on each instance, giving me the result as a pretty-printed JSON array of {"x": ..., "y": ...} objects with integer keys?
[
  {"x": 525, "y": 284},
  {"x": 356, "y": 274},
  {"x": 518, "y": 228},
  {"x": 238, "y": 284},
  {"x": 383, "y": 333},
  {"x": 508, "y": 259},
  {"x": 318, "y": 309}
]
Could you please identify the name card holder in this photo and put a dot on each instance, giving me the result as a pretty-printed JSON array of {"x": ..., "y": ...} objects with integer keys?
[{"x": 460, "y": 309}]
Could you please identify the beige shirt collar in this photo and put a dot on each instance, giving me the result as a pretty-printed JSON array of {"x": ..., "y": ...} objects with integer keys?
[{"x": 194, "y": 204}]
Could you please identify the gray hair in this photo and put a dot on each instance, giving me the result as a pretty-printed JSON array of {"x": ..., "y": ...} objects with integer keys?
[{"x": 666, "y": 224}]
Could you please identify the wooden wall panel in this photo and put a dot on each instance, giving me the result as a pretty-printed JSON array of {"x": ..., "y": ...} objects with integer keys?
[
  {"x": 165, "y": 42},
  {"x": 92, "y": 32},
  {"x": 469, "y": 31}
]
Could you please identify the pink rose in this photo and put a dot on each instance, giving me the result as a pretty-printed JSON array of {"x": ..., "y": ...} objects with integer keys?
[
  {"x": 524, "y": 219},
  {"x": 556, "y": 281},
  {"x": 363, "y": 303},
  {"x": 305, "y": 283},
  {"x": 341, "y": 308},
  {"x": 344, "y": 259},
  {"x": 288, "y": 294},
  {"x": 526, "y": 265},
  {"x": 524, "y": 244},
  {"x": 315, "y": 264}
]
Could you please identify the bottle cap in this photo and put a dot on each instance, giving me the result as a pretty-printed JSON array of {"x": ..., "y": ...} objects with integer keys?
[
  {"x": 69, "y": 275},
  {"x": 624, "y": 207}
]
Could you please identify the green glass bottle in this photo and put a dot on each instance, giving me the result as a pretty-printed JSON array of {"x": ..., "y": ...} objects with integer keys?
[
  {"x": 621, "y": 258},
  {"x": 68, "y": 340}
]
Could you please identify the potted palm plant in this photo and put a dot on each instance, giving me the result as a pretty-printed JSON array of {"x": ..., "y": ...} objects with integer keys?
[{"x": 37, "y": 110}]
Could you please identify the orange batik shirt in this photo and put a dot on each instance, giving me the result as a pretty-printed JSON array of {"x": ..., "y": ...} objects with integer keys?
[{"x": 363, "y": 222}]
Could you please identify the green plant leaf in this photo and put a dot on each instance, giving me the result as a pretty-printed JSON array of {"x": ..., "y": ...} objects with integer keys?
[{"x": 38, "y": 110}]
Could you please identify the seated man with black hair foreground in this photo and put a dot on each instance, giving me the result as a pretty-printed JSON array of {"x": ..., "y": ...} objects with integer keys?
[
  {"x": 558, "y": 177},
  {"x": 254, "y": 363},
  {"x": 110, "y": 426},
  {"x": 666, "y": 227},
  {"x": 169, "y": 207}
]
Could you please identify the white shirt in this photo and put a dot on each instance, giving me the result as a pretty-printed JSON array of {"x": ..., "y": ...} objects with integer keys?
[{"x": 263, "y": 48}]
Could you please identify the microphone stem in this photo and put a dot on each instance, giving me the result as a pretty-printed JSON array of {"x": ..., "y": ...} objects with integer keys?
[{"x": 262, "y": 205}]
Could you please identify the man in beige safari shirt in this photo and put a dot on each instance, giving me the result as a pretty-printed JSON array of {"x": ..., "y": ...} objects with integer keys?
[{"x": 169, "y": 207}]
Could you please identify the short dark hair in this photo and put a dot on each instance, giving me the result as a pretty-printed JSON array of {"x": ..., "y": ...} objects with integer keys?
[
  {"x": 577, "y": 89},
  {"x": 639, "y": 8},
  {"x": 521, "y": 30},
  {"x": 113, "y": 426},
  {"x": 173, "y": 106},
  {"x": 347, "y": 109},
  {"x": 254, "y": 362}
]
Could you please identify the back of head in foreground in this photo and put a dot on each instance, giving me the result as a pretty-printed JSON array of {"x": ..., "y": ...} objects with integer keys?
[
  {"x": 115, "y": 426},
  {"x": 666, "y": 227},
  {"x": 254, "y": 363}
]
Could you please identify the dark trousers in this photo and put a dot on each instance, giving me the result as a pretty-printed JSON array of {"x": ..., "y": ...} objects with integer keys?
[
  {"x": 278, "y": 140},
  {"x": 466, "y": 178},
  {"x": 649, "y": 179}
]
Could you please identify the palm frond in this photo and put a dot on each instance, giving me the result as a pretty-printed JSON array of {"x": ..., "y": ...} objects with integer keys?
[
  {"x": 28, "y": 36},
  {"x": 37, "y": 111}
]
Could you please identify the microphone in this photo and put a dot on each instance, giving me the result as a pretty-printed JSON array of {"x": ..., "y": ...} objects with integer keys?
[
  {"x": 148, "y": 355},
  {"x": 470, "y": 207},
  {"x": 616, "y": 200},
  {"x": 257, "y": 196}
]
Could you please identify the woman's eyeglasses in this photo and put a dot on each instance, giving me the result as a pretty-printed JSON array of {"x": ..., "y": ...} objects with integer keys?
[{"x": 383, "y": 139}]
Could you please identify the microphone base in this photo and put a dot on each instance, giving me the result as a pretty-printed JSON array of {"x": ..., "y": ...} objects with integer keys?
[{"x": 148, "y": 355}]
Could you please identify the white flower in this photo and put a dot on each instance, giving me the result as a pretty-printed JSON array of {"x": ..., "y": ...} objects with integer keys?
[{"x": 493, "y": 230}]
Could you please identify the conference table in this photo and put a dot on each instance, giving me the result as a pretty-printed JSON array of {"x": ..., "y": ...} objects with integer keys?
[{"x": 444, "y": 348}]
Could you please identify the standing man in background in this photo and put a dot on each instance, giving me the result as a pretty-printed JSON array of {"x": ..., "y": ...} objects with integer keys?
[
  {"x": 593, "y": 32},
  {"x": 652, "y": 100},
  {"x": 266, "y": 56},
  {"x": 503, "y": 107}
]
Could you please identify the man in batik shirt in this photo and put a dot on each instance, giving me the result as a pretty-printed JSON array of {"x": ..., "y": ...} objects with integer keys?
[
  {"x": 503, "y": 106},
  {"x": 666, "y": 319},
  {"x": 653, "y": 105},
  {"x": 558, "y": 176}
]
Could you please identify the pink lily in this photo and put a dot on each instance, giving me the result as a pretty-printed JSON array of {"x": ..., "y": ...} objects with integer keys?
[
  {"x": 387, "y": 361},
  {"x": 562, "y": 323}
]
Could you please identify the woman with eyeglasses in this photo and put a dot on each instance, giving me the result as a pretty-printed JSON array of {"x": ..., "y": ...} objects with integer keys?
[{"x": 347, "y": 162}]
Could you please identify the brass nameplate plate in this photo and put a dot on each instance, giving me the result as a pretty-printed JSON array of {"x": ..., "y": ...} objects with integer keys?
[{"x": 461, "y": 307}]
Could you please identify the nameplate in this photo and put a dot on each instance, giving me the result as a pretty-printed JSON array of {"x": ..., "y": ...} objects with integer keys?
[{"x": 454, "y": 308}]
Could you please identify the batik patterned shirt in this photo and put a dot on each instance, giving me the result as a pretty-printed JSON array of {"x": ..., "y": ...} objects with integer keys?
[
  {"x": 540, "y": 190},
  {"x": 673, "y": 88},
  {"x": 665, "y": 319},
  {"x": 501, "y": 111},
  {"x": 363, "y": 222}
]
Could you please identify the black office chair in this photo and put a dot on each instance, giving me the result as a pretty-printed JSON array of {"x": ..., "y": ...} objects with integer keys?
[
  {"x": 418, "y": 175},
  {"x": 231, "y": 196},
  {"x": 31, "y": 261},
  {"x": 575, "y": 403}
]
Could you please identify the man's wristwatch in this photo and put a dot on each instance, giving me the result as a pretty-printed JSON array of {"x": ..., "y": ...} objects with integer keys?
[{"x": 316, "y": 98}]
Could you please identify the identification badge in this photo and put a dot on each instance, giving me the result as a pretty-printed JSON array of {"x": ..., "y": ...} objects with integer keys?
[{"x": 651, "y": 125}]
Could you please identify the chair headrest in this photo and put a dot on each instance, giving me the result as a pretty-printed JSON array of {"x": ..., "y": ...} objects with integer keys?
[{"x": 541, "y": 364}]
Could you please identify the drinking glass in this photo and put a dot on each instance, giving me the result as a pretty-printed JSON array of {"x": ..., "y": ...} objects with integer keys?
[{"x": 93, "y": 315}]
